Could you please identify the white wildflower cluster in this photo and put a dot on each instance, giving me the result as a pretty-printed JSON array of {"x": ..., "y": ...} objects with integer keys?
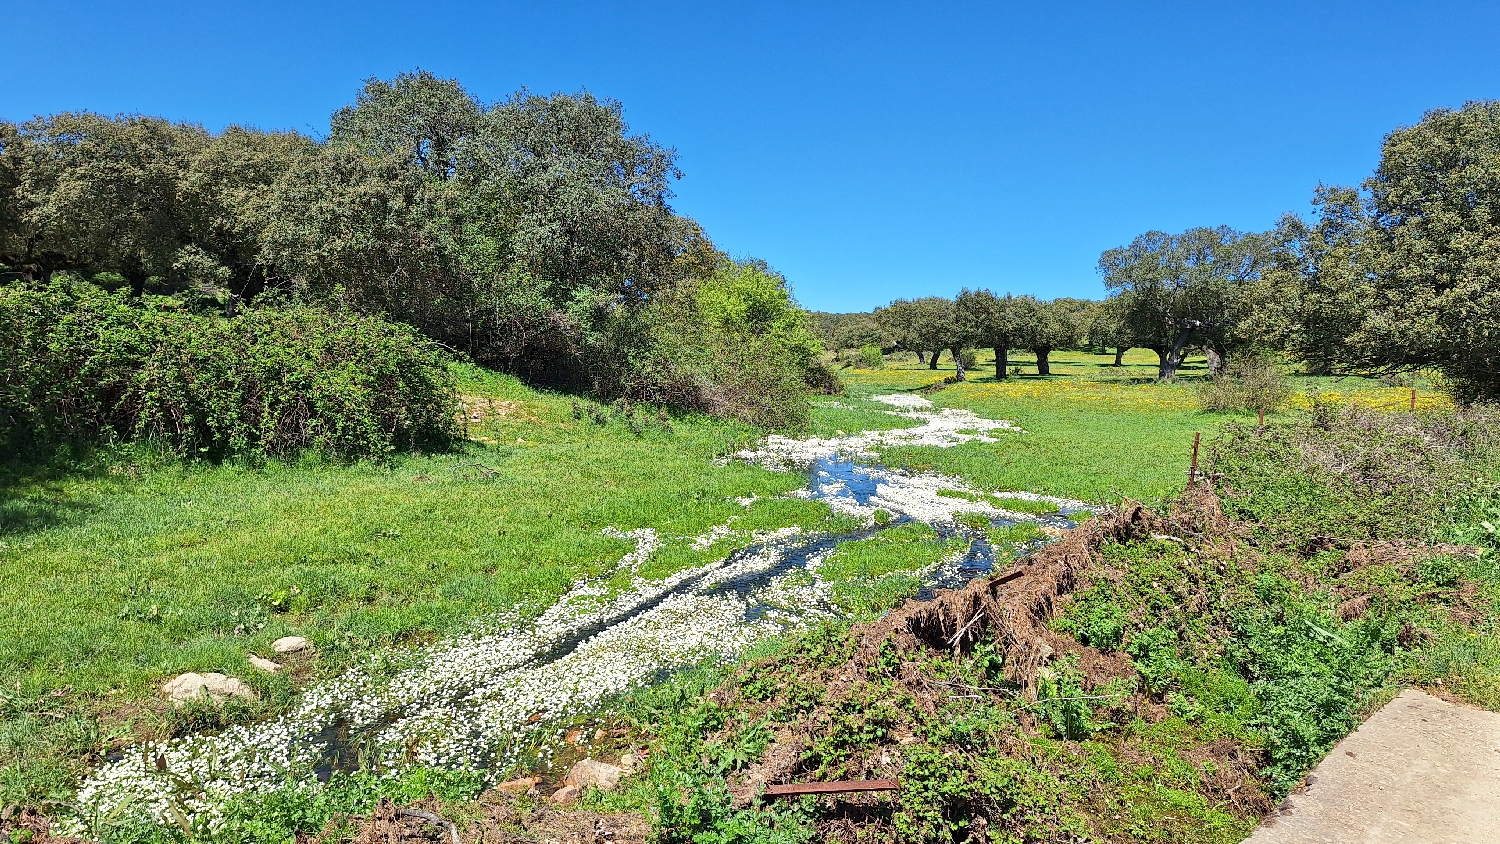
[
  {"x": 859, "y": 490},
  {"x": 941, "y": 428},
  {"x": 465, "y": 702},
  {"x": 455, "y": 704}
]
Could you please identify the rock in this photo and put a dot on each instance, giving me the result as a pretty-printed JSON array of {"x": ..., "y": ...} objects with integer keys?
[
  {"x": 629, "y": 762},
  {"x": 525, "y": 785},
  {"x": 591, "y": 773},
  {"x": 565, "y": 795},
  {"x": 265, "y": 664},
  {"x": 291, "y": 645},
  {"x": 186, "y": 687}
]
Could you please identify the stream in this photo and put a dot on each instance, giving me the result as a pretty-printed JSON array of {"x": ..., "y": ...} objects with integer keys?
[{"x": 481, "y": 700}]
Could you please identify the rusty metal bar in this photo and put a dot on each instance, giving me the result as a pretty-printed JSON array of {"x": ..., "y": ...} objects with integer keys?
[
  {"x": 1413, "y": 400},
  {"x": 1007, "y": 576},
  {"x": 794, "y": 788}
]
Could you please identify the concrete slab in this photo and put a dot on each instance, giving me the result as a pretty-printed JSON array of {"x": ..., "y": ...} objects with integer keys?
[{"x": 1419, "y": 771}]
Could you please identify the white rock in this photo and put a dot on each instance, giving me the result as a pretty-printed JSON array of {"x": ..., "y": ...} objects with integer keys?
[
  {"x": 265, "y": 664},
  {"x": 186, "y": 687},
  {"x": 629, "y": 762},
  {"x": 290, "y": 645},
  {"x": 591, "y": 773}
]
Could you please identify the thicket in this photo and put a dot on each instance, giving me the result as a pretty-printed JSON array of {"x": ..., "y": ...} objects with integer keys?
[
  {"x": 1352, "y": 473},
  {"x": 1246, "y": 384},
  {"x": 85, "y": 365},
  {"x": 533, "y": 234},
  {"x": 734, "y": 343}
]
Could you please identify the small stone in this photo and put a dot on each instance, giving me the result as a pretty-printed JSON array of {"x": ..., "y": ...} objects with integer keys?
[
  {"x": 524, "y": 785},
  {"x": 186, "y": 687},
  {"x": 575, "y": 736},
  {"x": 265, "y": 664},
  {"x": 290, "y": 645},
  {"x": 565, "y": 795},
  {"x": 629, "y": 762},
  {"x": 591, "y": 773}
]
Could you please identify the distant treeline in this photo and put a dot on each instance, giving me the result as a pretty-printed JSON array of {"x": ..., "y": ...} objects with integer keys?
[
  {"x": 1400, "y": 274},
  {"x": 932, "y": 325},
  {"x": 532, "y": 235}
]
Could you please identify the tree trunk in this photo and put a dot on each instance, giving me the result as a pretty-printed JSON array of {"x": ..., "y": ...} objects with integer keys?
[
  {"x": 1215, "y": 361},
  {"x": 1120, "y": 355},
  {"x": 932, "y": 362},
  {"x": 137, "y": 279},
  {"x": 1043, "y": 365},
  {"x": 1001, "y": 363},
  {"x": 1161, "y": 362},
  {"x": 921, "y": 358},
  {"x": 958, "y": 363},
  {"x": 1173, "y": 359}
]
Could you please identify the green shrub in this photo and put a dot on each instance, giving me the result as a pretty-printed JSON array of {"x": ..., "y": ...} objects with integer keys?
[
  {"x": 1357, "y": 473},
  {"x": 88, "y": 366},
  {"x": 870, "y": 357},
  {"x": 1249, "y": 384},
  {"x": 734, "y": 344}
]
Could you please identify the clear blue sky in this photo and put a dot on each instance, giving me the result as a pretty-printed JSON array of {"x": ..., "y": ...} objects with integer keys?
[{"x": 867, "y": 150}]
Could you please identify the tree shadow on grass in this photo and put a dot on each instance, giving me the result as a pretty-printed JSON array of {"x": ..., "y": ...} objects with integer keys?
[{"x": 31, "y": 494}]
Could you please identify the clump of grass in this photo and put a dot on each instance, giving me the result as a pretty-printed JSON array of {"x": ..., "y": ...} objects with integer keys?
[
  {"x": 873, "y": 575},
  {"x": 1247, "y": 385}
]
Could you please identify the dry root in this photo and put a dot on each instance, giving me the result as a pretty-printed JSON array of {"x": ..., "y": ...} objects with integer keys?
[{"x": 1012, "y": 607}]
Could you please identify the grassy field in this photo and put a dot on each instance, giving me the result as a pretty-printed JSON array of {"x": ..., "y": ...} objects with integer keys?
[
  {"x": 130, "y": 568},
  {"x": 118, "y": 576},
  {"x": 1094, "y": 431}
]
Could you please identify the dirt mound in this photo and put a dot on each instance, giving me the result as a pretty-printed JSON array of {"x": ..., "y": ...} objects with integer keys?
[{"x": 1012, "y": 607}]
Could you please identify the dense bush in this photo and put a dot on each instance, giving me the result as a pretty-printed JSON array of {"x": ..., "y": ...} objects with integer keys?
[
  {"x": 1246, "y": 384},
  {"x": 734, "y": 344},
  {"x": 1357, "y": 473},
  {"x": 87, "y": 365},
  {"x": 533, "y": 234}
]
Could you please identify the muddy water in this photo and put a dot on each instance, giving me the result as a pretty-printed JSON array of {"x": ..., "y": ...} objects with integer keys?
[{"x": 484, "y": 701}]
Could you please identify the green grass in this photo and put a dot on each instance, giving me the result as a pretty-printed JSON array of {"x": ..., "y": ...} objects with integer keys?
[
  {"x": 124, "y": 569},
  {"x": 1094, "y": 432},
  {"x": 122, "y": 574}
]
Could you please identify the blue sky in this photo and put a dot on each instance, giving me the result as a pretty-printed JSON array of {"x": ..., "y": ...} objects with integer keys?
[{"x": 867, "y": 150}]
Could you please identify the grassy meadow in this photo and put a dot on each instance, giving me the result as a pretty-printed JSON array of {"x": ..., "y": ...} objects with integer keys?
[
  {"x": 126, "y": 568},
  {"x": 1095, "y": 432},
  {"x": 119, "y": 575}
]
